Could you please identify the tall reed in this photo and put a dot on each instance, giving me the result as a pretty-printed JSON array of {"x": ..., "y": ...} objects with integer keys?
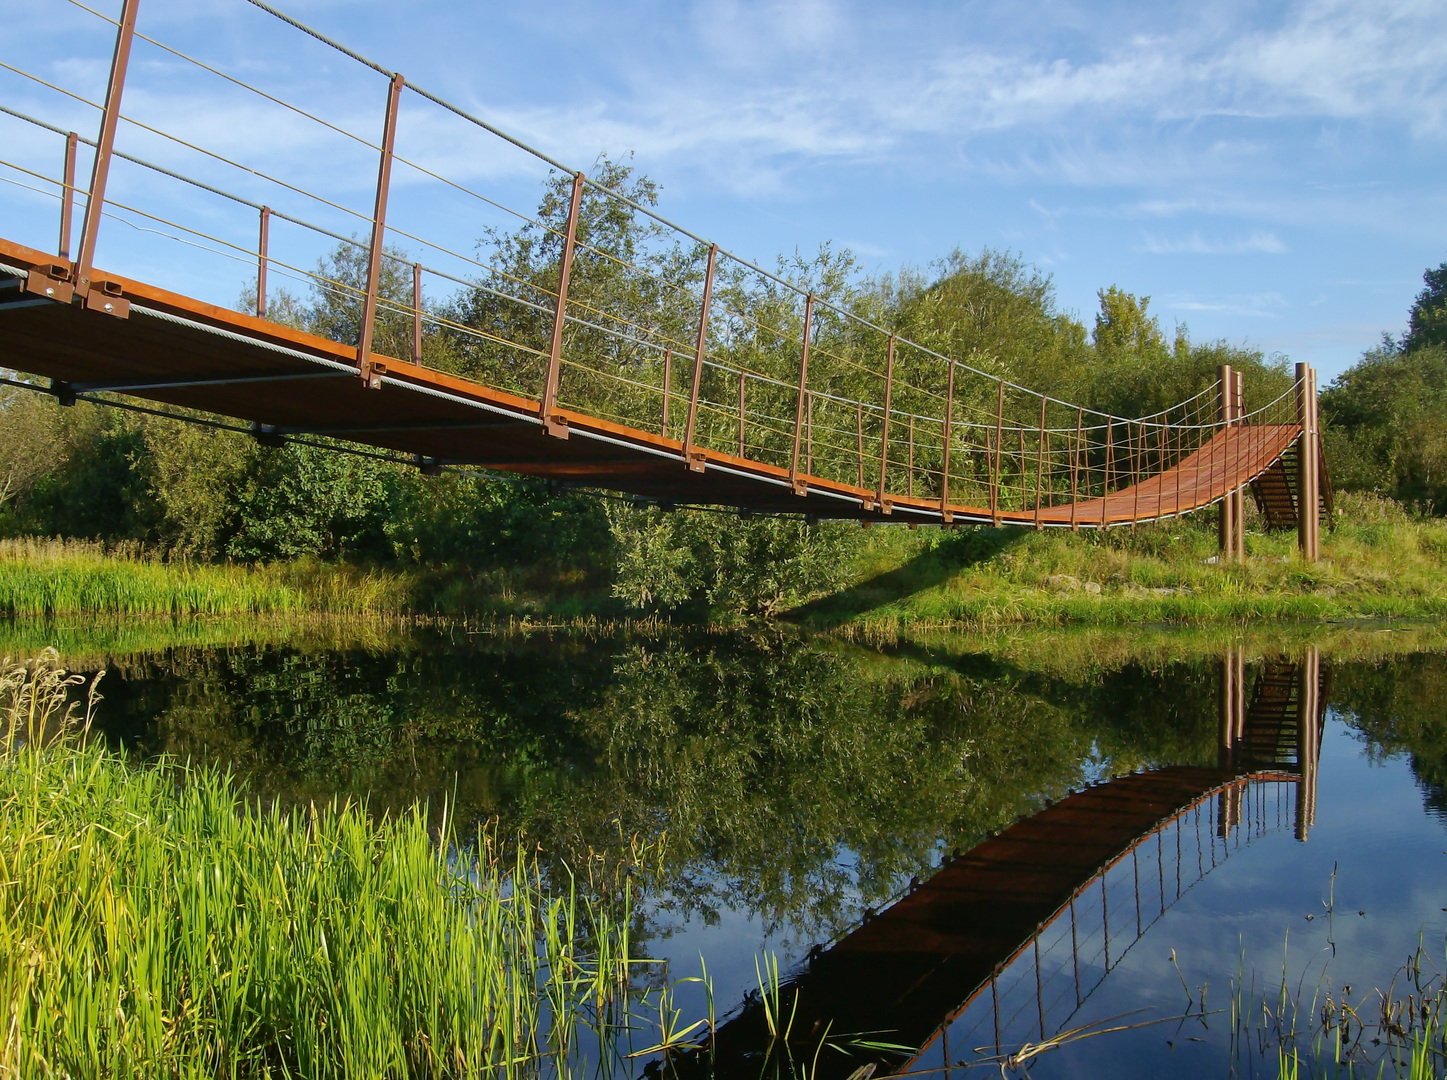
[{"x": 153, "y": 923}]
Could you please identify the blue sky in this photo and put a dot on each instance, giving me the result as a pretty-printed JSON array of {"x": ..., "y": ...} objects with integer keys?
[{"x": 1268, "y": 174}]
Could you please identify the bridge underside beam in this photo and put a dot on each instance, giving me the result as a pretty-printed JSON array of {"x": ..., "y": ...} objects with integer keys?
[{"x": 180, "y": 352}]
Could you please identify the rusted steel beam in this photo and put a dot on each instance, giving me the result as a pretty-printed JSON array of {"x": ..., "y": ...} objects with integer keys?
[
  {"x": 100, "y": 168},
  {"x": 552, "y": 424},
  {"x": 67, "y": 194},
  {"x": 691, "y": 459},
  {"x": 263, "y": 259},
  {"x": 370, "y": 370},
  {"x": 800, "y": 486}
]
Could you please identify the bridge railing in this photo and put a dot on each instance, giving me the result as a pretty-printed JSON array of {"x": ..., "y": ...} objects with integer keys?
[{"x": 395, "y": 212}]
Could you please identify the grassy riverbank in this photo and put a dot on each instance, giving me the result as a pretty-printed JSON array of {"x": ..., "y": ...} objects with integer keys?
[
  {"x": 1378, "y": 563},
  {"x": 155, "y": 927},
  {"x": 48, "y": 578}
]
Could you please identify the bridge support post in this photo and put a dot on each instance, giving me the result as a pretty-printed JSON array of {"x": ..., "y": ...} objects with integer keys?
[
  {"x": 1232, "y": 527},
  {"x": 1308, "y": 467},
  {"x": 371, "y": 371},
  {"x": 1308, "y": 690},
  {"x": 100, "y": 169},
  {"x": 553, "y": 424}
]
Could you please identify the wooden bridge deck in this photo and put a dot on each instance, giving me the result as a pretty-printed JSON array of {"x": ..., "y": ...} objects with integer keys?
[{"x": 178, "y": 351}]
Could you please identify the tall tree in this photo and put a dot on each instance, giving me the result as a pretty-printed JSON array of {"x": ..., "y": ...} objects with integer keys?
[{"x": 1427, "y": 321}]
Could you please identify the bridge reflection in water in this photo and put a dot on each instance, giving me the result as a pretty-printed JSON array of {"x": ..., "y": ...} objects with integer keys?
[{"x": 1006, "y": 942}]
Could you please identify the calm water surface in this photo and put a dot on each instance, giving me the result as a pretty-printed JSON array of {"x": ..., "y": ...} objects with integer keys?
[{"x": 790, "y": 790}]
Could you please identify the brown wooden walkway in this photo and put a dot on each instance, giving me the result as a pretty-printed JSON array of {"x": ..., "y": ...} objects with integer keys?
[{"x": 176, "y": 351}]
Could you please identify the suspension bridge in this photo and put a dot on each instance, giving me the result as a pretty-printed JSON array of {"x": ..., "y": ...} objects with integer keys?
[
  {"x": 1005, "y": 943},
  {"x": 598, "y": 345}
]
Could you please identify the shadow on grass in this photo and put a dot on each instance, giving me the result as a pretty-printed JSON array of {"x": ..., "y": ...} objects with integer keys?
[{"x": 959, "y": 550}]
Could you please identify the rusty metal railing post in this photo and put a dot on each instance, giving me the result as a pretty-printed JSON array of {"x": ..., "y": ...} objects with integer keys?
[
  {"x": 667, "y": 388},
  {"x": 946, "y": 515},
  {"x": 1076, "y": 451},
  {"x": 547, "y": 410},
  {"x": 100, "y": 168},
  {"x": 371, "y": 371},
  {"x": 801, "y": 487},
  {"x": 1040, "y": 465},
  {"x": 67, "y": 194},
  {"x": 742, "y": 391},
  {"x": 1109, "y": 466},
  {"x": 263, "y": 259},
  {"x": 884, "y": 431},
  {"x": 692, "y": 460},
  {"x": 859, "y": 444},
  {"x": 417, "y": 314},
  {"x": 996, "y": 463}
]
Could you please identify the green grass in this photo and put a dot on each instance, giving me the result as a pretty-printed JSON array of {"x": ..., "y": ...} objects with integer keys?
[
  {"x": 152, "y": 923},
  {"x": 1378, "y": 563},
  {"x": 45, "y": 579}
]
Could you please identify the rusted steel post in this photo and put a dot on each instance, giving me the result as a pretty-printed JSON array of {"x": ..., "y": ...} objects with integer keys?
[
  {"x": 742, "y": 391},
  {"x": 909, "y": 465},
  {"x": 996, "y": 464},
  {"x": 1308, "y": 749},
  {"x": 859, "y": 444},
  {"x": 1040, "y": 465},
  {"x": 667, "y": 387},
  {"x": 371, "y": 371},
  {"x": 1226, "y": 746},
  {"x": 1175, "y": 436},
  {"x": 1020, "y": 467},
  {"x": 104, "y": 149},
  {"x": 884, "y": 431},
  {"x": 809, "y": 436},
  {"x": 1308, "y": 508},
  {"x": 263, "y": 259},
  {"x": 690, "y": 431},
  {"x": 417, "y": 314},
  {"x": 1238, "y": 510},
  {"x": 548, "y": 408},
  {"x": 800, "y": 487},
  {"x": 1137, "y": 453},
  {"x": 1075, "y": 452},
  {"x": 946, "y": 515},
  {"x": 67, "y": 194},
  {"x": 1227, "y": 531},
  {"x": 1109, "y": 467}
]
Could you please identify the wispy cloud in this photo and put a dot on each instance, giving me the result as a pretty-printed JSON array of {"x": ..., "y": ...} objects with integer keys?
[
  {"x": 1261, "y": 305},
  {"x": 1257, "y": 243}
]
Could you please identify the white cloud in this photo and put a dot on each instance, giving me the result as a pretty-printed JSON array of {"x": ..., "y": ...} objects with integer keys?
[{"x": 1257, "y": 243}]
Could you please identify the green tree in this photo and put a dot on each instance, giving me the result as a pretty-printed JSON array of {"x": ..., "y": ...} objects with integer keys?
[{"x": 1427, "y": 321}]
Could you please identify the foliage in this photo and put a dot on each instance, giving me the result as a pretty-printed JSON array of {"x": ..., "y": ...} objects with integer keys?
[{"x": 721, "y": 563}]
